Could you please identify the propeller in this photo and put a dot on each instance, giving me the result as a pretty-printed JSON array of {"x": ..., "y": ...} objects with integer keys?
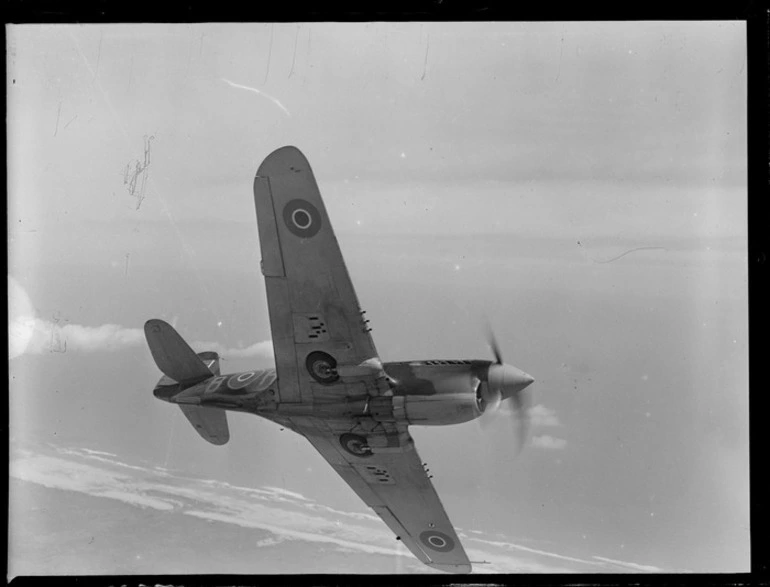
[
  {"x": 505, "y": 382},
  {"x": 492, "y": 341}
]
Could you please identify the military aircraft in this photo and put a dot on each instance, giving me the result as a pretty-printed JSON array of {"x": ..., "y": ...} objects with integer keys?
[{"x": 329, "y": 383}]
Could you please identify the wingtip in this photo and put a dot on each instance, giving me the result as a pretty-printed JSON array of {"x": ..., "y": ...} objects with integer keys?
[
  {"x": 279, "y": 161},
  {"x": 462, "y": 569}
]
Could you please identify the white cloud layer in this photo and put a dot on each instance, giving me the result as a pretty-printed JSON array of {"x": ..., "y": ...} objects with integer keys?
[
  {"x": 548, "y": 442},
  {"x": 542, "y": 416},
  {"x": 286, "y": 515},
  {"x": 258, "y": 349},
  {"x": 632, "y": 566},
  {"x": 30, "y": 335}
]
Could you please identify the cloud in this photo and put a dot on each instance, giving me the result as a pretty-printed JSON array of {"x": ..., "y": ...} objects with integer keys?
[
  {"x": 31, "y": 335},
  {"x": 542, "y": 416},
  {"x": 285, "y": 514},
  {"x": 549, "y": 442},
  {"x": 634, "y": 566},
  {"x": 539, "y": 415},
  {"x": 98, "y": 338},
  {"x": 511, "y": 545},
  {"x": 99, "y": 452},
  {"x": 258, "y": 349},
  {"x": 293, "y": 494},
  {"x": 270, "y": 541},
  {"x": 61, "y": 473}
]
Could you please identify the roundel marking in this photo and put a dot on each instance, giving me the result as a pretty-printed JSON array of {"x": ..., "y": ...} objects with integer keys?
[
  {"x": 438, "y": 541},
  {"x": 241, "y": 381},
  {"x": 302, "y": 218},
  {"x": 215, "y": 383},
  {"x": 356, "y": 445}
]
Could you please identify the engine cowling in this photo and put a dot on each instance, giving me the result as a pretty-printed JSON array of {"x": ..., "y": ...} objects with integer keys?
[
  {"x": 427, "y": 410},
  {"x": 437, "y": 393},
  {"x": 452, "y": 401}
]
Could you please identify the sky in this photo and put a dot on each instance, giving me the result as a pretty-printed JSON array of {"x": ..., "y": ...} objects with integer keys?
[{"x": 581, "y": 186}]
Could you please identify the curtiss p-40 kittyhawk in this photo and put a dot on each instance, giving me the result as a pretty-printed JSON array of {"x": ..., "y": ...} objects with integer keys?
[{"x": 329, "y": 383}]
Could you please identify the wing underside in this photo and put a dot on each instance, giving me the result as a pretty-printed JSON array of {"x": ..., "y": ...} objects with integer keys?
[
  {"x": 395, "y": 485},
  {"x": 318, "y": 331}
]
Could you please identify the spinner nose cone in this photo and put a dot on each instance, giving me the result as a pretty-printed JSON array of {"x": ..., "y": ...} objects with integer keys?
[
  {"x": 526, "y": 378},
  {"x": 508, "y": 379},
  {"x": 516, "y": 379}
]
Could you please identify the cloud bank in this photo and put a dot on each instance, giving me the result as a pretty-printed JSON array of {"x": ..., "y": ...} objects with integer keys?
[
  {"x": 542, "y": 416},
  {"x": 287, "y": 516},
  {"x": 632, "y": 566},
  {"x": 548, "y": 442},
  {"x": 258, "y": 349},
  {"x": 29, "y": 335}
]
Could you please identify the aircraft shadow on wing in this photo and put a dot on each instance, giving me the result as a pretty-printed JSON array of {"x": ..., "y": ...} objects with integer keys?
[{"x": 329, "y": 383}]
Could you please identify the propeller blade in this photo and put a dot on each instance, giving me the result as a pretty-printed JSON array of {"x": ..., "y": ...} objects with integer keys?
[
  {"x": 503, "y": 382},
  {"x": 492, "y": 341},
  {"x": 521, "y": 415}
]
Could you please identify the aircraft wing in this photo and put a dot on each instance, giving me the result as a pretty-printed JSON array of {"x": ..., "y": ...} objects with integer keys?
[
  {"x": 395, "y": 485},
  {"x": 321, "y": 342}
]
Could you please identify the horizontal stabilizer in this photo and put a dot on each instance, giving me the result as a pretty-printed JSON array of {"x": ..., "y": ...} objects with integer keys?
[
  {"x": 173, "y": 355},
  {"x": 211, "y": 423}
]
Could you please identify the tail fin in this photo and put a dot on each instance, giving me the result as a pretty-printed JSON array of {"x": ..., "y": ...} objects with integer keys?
[{"x": 174, "y": 356}]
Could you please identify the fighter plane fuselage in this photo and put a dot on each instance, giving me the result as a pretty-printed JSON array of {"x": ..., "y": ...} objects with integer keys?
[{"x": 428, "y": 393}]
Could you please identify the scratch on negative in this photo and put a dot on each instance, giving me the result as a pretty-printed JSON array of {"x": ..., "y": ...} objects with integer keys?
[
  {"x": 261, "y": 93},
  {"x": 132, "y": 177},
  {"x": 425, "y": 64},
  {"x": 294, "y": 57},
  {"x": 561, "y": 51},
  {"x": 99, "y": 56},
  {"x": 269, "y": 53},
  {"x": 308, "y": 66},
  {"x": 629, "y": 252},
  {"x": 58, "y": 115},
  {"x": 131, "y": 71}
]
